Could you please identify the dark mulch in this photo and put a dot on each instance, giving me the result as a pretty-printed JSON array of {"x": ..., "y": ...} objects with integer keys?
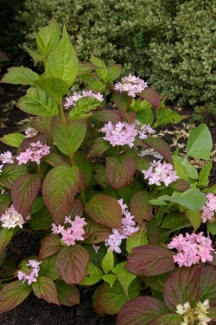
[{"x": 34, "y": 311}]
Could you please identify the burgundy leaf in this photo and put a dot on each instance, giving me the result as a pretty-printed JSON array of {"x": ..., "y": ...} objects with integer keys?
[
  {"x": 68, "y": 294},
  {"x": 151, "y": 96},
  {"x": 98, "y": 147},
  {"x": 180, "y": 185},
  {"x": 160, "y": 146},
  {"x": 150, "y": 260},
  {"x": 97, "y": 232},
  {"x": 208, "y": 284},
  {"x": 23, "y": 192},
  {"x": 141, "y": 311},
  {"x": 49, "y": 246},
  {"x": 141, "y": 208},
  {"x": 106, "y": 115},
  {"x": 120, "y": 171},
  {"x": 45, "y": 288},
  {"x": 182, "y": 285}
]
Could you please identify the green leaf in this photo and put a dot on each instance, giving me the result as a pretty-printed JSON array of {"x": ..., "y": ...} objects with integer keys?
[
  {"x": 102, "y": 72},
  {"x": 72, "y": 262},
  {"x": 156, "y": 282},
  {"x": 145, "y": 116},
  {"x": 204, "y": 174},
  {"x": 212, "y": 227},
  {"x": 5, "y": 237},
  {"x": 48, "y": 268},
  {"x": 59, "y": 189},
  {"x": 192, "y": 199},
  {"x": 38, "y": 102},
  {"x": 46, "y": 289},
  {"x": 13, "y": 139},
  {"x": 47, "y": 38},
  {"x": 141, "y": 310},
  {"x": 138, "y": 238},
  {"x": 182, "y": 285},
  {"x": 109, "y": 278},
  {"x": 84, "y": 165},
  {"x": 20, "y": 75},
  {"x": 199, "y": 142},
  {"x": 105, "y": 210},
  {"x": 141, "y": 208},
  {"x": 113, "y": 72},
  {"x": 41, "y": 220},
  {"x": 5, "y": 200},
  {"x": 208, "y": 284},
  {"x": 10, "y": 173},
  {"x": 174, "y": 219},
  {"x": 83, "y": 108},
  {"x": 54, "y": 86},
  {"x": 166, "y": 115},
  {"x": 150, "y": 260},
  {"x": 120, "y": 171},
  {"x": 62, "y": 62},
  {"x": 168, "y": 319},
  {"x": 122, "y": 100},
  {"x": 35, "y": 56},
  {"x": 108, "y": 262},
  {"x": 124, "y": 276},
  {"x": 96, "y": 85},
  {"x": 111, "y": 300},
  {"x": 69, "y": 137},
  {"x": 68, "y": 294},
  {"x": 194, "y": 217},
  {"x": 12, "y": 295},
  {"x": 55, "y": 160},
  {"x": 23, "y": 192},
  {"x": 94, "y": 275},
  {"x": 49, "y": 246},
  {"x": 100, "y": 176}
]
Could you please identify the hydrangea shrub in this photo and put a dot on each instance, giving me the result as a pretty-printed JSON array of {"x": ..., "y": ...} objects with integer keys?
[{"x": 118, "y": 209}]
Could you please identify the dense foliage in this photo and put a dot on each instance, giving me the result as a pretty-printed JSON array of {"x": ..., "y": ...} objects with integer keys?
[
  {"x": 118, "y": 209},
  {"x": 163, "y": 41}
]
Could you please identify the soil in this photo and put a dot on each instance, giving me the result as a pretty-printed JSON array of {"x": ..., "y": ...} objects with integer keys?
[{"x": 34, "y": 311}]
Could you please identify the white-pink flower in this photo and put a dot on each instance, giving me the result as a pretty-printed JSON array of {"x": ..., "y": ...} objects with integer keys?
[
  {"x": 6, "y": 158},
  {"x": 71, "y": 100},
  {"x": 34, "y": 153},
  {"x": 131, "y": 84},
  {"x": 11, "y": 218},
  {"x": 30, "y": 132},
  {"x": 32, "y": 275},
  {"x": 159, "y": 172},
  {"x": 191, "y": 249}
]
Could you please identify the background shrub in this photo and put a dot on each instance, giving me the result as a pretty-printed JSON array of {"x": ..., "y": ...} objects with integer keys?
[{"x": 171, "y": 43}]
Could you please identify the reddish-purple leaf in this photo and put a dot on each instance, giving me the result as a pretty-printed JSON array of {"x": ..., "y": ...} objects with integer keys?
[
  {"x": 45, "y": 288},
  {"x": 98, "y": 147},
  {"x": 23, "y": 192},
  {"x": 106, "y": 115},
  {"x": 68, "y": 294},
  {"x": 120, "y": 171},
  {"x": 182, "y": 285},
  {"x": 168, "y": 319},
  {"x": 100, "y": 176},
  {"x": 12, "y": 295},
  {"x": 110, "y": 300},
  {"x": 55, "y": 160},
  {"x": 180, "y": 185},
  {"x": 151, "y": 96},
  {"x": 160, "y": 146},
  {"x": 97, "y": 232},
  {"x": 43, "y": 126},
  {"x": 140, "y": 207},
  {"x": 150, "y": 260},
  {"x": 59, "y": 188},
  {"x": 129, "y": 116},
  {"x": 72, "y": 262},
  {"x": 208, "y": 284},
  {"x": 141, "y": 311},
  {"x": 38, "y": 137},
  {"x": 105, "y": 210},
  {"x": 77, "y": 209},
  {"x": 49, "y": 246}
]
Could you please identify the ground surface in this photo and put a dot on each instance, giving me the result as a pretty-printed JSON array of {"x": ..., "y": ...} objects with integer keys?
[{"x": 34, "y": 311}]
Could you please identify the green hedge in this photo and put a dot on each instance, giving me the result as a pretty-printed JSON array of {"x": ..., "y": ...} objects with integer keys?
[{"x": 171, "y": 43}]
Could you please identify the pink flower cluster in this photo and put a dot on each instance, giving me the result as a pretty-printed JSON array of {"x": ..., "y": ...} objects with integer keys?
[
  {"x": 143, "y": 130},
  {"x": 209, "y": 209},
  {"x": 71, "y": 233},
  {"x": 191, "y": 249},
  {"x": 34, "y": 153},
  {"x": 128, "y": 227},
  {"x": 131, "y": 84},
  {"x": 120, "y": 134},
  {"x": 159, "y": 172},
  {"x": 32, "y": 275},
  {"x": 11, "y": 218},
  {"x": 71, "y": 100}
]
